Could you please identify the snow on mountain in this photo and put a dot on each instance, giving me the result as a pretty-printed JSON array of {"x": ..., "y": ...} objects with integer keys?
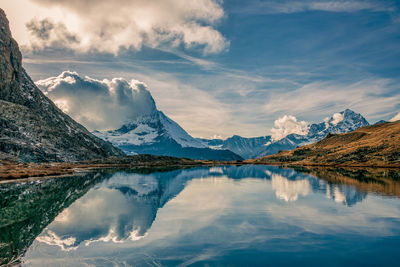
[
  {"x": 177, "y": 133},
  {"x": 147, "y": 130},
  {"x": 395, "y": 118},
  {"x": 157, "y": 134},
  {"x": 245, "y": 147},
  {"x": 342, "y": 122},
  {"x": 128, "y": 107}
]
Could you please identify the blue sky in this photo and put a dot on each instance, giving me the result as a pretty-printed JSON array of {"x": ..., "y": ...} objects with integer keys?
[{"x": 223, "y": 68}]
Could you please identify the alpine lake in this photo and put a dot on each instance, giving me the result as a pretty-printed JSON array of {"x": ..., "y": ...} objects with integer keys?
[{"x": 250, "y": 215}]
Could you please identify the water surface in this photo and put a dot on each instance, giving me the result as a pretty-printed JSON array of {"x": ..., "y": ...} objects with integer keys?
[{"x": 219, "y": 216}]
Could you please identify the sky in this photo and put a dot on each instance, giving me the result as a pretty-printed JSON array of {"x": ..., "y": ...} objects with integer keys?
[{"x": 218, "y": 68}]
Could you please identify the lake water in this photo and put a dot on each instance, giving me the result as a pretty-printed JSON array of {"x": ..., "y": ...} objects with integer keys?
[{"x": 218, "y": 216}]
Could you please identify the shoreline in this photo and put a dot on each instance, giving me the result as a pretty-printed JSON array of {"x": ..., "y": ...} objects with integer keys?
[
  {"x": 11, "y": 172},
  {"x": 297, "y": 164},
  {"x": 18, "y": 172}
]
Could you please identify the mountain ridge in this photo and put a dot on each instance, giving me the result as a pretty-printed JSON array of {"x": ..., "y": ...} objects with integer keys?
[
  {"x": 157, "y": 134},
  {"x": 255, "y": 147},
  {"x": 32, "y": 127},
  {"x": 129, "y": 110},
  {"x": 374, "y": 145}
]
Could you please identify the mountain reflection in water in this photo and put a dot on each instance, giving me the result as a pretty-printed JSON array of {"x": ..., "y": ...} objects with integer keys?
[{"x": 106, "y": 218}]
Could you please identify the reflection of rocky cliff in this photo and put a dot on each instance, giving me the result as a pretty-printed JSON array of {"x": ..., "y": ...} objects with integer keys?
[{"x": 27, "y": 208}]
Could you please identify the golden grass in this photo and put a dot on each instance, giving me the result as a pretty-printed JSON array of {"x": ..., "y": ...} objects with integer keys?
[{"x": 376, "y": 145}]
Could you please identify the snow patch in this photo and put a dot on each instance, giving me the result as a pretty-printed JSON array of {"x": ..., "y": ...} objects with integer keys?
[
  {"x": 145, "y": 130},
  {"x": 395, "y": 118},
  {"x": 217, "y": 147},
  {"x": 141, "y": 135}
]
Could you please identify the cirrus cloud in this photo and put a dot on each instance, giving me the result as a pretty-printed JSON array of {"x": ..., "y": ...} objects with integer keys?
[
  {"x": 296, "y": 6},
  {"x": 374, "y": 98}
]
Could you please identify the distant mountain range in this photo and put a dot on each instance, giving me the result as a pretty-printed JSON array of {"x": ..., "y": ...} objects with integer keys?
[
  {"x": 376, "y": 145},
  {"x": 343, "y": 122},
  {"x": 32, "y": 128},
  {"x": 245, "y": 147},
  {"x": 157, "y": 134}
]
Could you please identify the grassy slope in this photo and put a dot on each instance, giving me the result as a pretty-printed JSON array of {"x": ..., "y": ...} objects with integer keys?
[{"x": 376, "y": 145}]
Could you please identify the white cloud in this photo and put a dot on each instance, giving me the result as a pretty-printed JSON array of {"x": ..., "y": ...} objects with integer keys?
[
  {"x": 108, "y": 26},
  {"x": 99, "y": 214},
  {"x": 195, "y": 110},
  {"x": 93, "y": 102},
  {"x": 370, "y": 97},
  {"x": 98, "y": 104},
  {"x": 289, "y": 190},
  {"x": 396, "y": 117},
  {"x": 286, "y": 125},
  {"x": 336, "y": 118},
  {"x": 46, "y": 33}
]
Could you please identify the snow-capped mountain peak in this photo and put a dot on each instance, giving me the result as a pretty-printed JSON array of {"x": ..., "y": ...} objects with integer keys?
[
  {"x": 148, "y": 129},
  {"x": 341, "y": 122},
  {"x": 177, "y": 133}
]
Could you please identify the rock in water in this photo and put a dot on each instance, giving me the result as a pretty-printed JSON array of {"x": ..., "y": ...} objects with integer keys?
[{"x": 32, "y": 128}]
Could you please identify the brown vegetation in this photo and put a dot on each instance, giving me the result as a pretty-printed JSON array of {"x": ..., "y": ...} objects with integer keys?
[
  {"x": 9, "y": 170},
  {"x": 374, "y": 146},
  {"x": 384, "y": 181},
  {"x": 15, "y": 170}
]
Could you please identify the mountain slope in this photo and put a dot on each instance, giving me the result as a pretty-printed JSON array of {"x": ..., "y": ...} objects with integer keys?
[
  {"x": 342, "y": 122},
  {"x": 245, "y": 147},
  {"x": 345, "y": 121},
  {"x": 32, "y": 128},
  {"x": 157, "y": 134},
  {"x": 376, "y": 145}
]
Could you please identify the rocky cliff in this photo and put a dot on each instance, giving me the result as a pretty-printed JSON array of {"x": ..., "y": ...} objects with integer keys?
[{"x": 32, "y": 128}]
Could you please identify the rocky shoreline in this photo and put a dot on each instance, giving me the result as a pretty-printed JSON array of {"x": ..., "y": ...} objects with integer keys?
[{"x": 10, "y": 171}]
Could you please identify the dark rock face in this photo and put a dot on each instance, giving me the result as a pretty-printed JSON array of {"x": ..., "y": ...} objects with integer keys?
[
  {"x": 32, "y": 128},
  {"x": 24, "y": 216}
]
